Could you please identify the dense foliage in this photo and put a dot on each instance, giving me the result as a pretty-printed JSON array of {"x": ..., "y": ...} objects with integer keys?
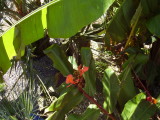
[{"x": 130, "y": 34}]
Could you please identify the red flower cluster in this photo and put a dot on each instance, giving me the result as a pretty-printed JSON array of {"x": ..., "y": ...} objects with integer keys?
[
  {"x": 77, "y": 77},
  {"x": 152, "y": 100}
]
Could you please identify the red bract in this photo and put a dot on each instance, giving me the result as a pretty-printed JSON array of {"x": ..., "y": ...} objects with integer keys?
[
  {"x": 149, "y": 99},
  {"x": 82, "y": 70},
  {"x": 152, "y": 100},
  {"x": 77, "y": 78}
]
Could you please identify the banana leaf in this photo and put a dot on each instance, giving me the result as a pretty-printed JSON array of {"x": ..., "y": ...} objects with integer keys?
[{"x": 62, "y": 18}]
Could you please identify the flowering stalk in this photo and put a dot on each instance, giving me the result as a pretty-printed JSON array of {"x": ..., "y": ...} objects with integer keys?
[
  {"x": 78, "y": 80},
  {"x": 147, "y": 92},
  {"x": 149, "y": 98},
  {"x": 95, "y": 102}
]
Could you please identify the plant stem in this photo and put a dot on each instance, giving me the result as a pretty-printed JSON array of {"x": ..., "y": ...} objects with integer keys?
[
  {"x": 142, "y": 84},
  {"x": 95, "y": 102}
]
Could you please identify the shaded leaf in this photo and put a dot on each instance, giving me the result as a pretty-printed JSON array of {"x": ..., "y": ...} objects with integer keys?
[
  {"x": 150, "y": 7},
  {"x": 136, "y": 60},
  {"x": 90, "y": 75},
  {"x": 153, "y": 25},
  {"x": 134, "y": 24},
  {"x": 128, "y": 90},
  {"x": 59, "y": 59},
  {"x": 120, "y": 25},
  {"x": 111, "y": 89}
]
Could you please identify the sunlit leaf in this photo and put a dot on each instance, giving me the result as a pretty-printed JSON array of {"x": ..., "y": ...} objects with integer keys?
[
  {"x": 138, "y": 108},
  {"x": 72, "y": 15},
  {"x": 111, "y": 89},
  {"x": 56, "y": 104},
  {"x": 62, "y": 18},
  {"x": 72, "y": 60},
  {"x": 64, "y": 104},
  {"x": 91, "y": 113}
]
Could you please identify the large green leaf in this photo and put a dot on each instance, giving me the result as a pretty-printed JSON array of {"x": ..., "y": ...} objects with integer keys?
[
  {"x": 59, "y": 59},
  {"x": 56, "y": 104},
  {"x": 69, "y": 16},
  {"x": 120, "y": 26},
  {"x": 5, "y": 60},
  {"x": 91, "y": 113},
  {"x": 153, "y": 25},
  {"x": 150, "y": 7},
  {"x": 64, "y": 104},
  {"x": 136, "y": 61},
  {"x": 111, "y": 89},
  {"x": 90, "y": 75},
  {"x": 138, "y": 108},
  {"x": 128, "y": 90},
  {"x": 62, "y": 18}
]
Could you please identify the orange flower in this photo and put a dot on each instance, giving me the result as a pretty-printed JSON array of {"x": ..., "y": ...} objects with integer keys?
[
  {"x": 77, "y": 78},
  {"x": 154, "y": 101},
  {"x": 69, "y": 79}
]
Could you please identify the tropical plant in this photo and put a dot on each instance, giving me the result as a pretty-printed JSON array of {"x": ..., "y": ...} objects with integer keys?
[
  {"x": 21, "y": 108},
  {"x": 41, "y": 19},
  {"x": 128, "y": 25},
  {"x": 116, "y": 89}
]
